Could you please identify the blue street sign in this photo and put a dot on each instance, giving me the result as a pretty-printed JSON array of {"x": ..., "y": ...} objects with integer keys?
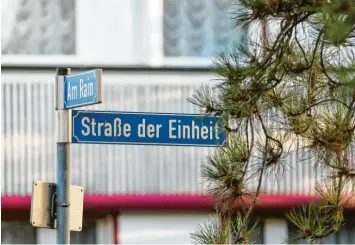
[
  {"x": 109, "y": 127},
  {"x": 81, "y": 89}
]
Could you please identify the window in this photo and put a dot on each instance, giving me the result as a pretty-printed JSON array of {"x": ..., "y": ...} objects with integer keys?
[
  {"x": 110, "y": 32},
  {"x": 86, "y": 236},
  {"x": 159, "y": 227},
  {"x": 17, "y": 233},
  {"x": 198, "y": 28},
  {"x": 294, "y": 232},
  {"x": 40, "y": 27}
]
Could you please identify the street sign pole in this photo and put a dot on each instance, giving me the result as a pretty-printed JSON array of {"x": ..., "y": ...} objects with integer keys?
[
  {"x": 51, "y": 203},
  {"x": 63, "y": 164},
  {"x": 63, "y": 187}
]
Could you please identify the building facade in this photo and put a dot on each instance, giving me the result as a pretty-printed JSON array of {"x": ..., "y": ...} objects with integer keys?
[{"x": 154, "y": 55}]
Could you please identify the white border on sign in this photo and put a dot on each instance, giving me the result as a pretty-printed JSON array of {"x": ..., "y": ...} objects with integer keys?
[{"x": 77, "y": 112}]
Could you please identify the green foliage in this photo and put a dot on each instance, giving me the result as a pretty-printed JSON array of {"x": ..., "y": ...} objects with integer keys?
[
  {"x": 212, "y": 232},
  {"x": 215, "y": 231},
  {"x": 299, "y": 86},
  {"x": 224, "y": 173},
  {"x": 315, "y": 222},
  {"x": 247, "y": 230}
]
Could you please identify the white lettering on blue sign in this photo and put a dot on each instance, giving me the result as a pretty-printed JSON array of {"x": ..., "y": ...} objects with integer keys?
[
  {"x": 85, "y": 90},
  {"x": 176, "y": 130},
  {"x": 100, "y": 128},
  {"x": 140, "y": 128},
  {"x": 82, "y": 89}
]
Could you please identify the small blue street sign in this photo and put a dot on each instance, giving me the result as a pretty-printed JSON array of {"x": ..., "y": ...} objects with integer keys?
[
  {"x": 109, "y": 127},
  {"x": 81, "y": 89}
]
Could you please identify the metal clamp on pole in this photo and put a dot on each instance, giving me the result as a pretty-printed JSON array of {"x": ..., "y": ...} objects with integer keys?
[
  {"x": 63, "y": 163},
  {"x": 65, "y": 205}
]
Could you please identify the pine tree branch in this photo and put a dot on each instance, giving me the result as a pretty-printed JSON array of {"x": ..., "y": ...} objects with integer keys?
[
  {"x": 351, "y": 110},
  {"x": 259, "y": 181},
  {"x": 301, "y": 48},
  {"x": 303, "y": 86},
  {"x": 250, "y": 146},
  {"x": 317, "y": 104},
  {"x": 320, "y": 34},
  {"x": 324, "y": 70},
  {"x": 278, "y": 48}
]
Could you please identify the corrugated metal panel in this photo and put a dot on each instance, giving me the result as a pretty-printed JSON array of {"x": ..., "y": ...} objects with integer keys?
[{"x": 29, "y": 139}]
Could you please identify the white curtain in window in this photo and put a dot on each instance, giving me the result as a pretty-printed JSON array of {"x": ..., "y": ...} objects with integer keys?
[
  {"x": 8, "y": 19},
  {"x": 199, "y": 28},
  {"x": 38, "y": 27}
]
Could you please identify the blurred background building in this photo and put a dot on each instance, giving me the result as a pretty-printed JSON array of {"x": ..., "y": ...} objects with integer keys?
[{"x": 154, "y": 55}]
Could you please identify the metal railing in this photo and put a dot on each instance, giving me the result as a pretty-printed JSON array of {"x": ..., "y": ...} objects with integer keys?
[{"x": 28, "y": 126}]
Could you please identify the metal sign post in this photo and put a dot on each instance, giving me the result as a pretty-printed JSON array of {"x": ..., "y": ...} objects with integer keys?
[
  {"x": 63, "y": 193},
  {"x": 52, "y": 205},
  {"x": 60, "y": 206},
  {"x": 72, "y": 90},
  {"x": 63, "y": 166}
]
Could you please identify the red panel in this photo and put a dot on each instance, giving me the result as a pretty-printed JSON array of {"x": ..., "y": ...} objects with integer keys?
[
  {"x": 148, "y": 202},
  {"x": 109, "y": 203},
  {"x": 115, "y": 229},
  {"x": 24, "y": 216},
  {"x": 15, "y": 203}
]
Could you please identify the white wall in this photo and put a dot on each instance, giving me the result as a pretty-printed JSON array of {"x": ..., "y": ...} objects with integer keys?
[
  {"x": 159, "y": 228},
  {"x": 275, "y": 231},
  {"x": 46, "y": 236},
  {"x": 97, "y": 45},
  {"x": 104, "y": 231}
]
